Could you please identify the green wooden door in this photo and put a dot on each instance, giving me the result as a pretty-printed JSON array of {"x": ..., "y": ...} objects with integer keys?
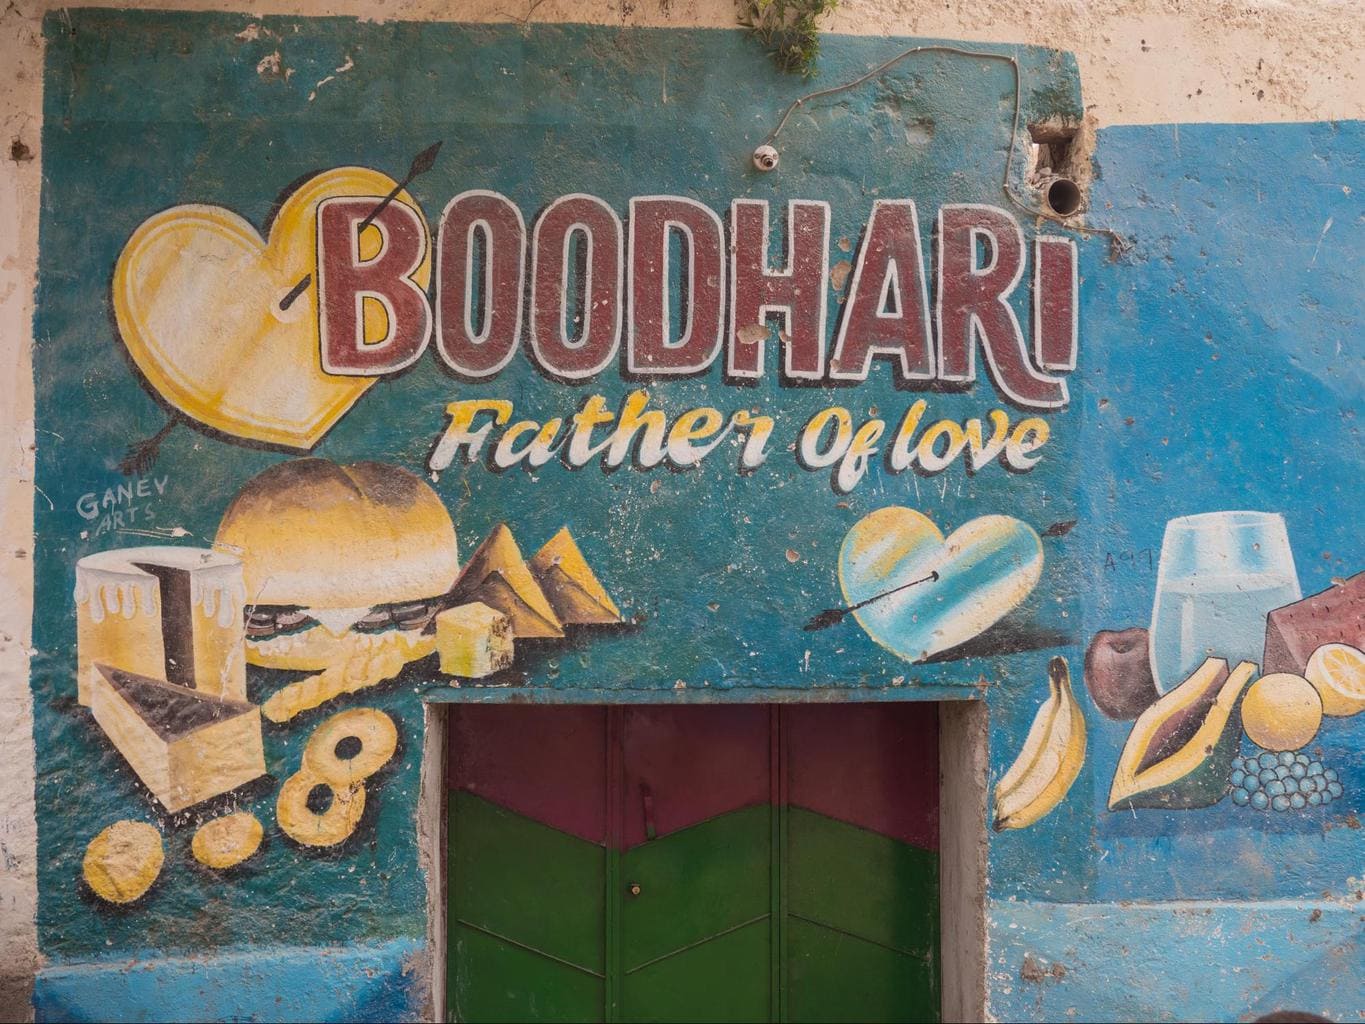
[{"x": 693, "y": 864}]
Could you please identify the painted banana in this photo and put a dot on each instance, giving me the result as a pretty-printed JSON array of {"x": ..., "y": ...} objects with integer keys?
[{"x": 1051, "y": 757}]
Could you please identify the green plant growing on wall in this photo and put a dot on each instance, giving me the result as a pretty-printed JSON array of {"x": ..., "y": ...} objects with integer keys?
[{"x": 789, "y": 29}]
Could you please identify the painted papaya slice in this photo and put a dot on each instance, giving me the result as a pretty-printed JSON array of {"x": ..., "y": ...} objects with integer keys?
[{"x": 1179, "y": 753}]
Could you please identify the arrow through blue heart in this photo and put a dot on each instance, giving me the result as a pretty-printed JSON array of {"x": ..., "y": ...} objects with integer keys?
[{"x": 985, "y": 570}]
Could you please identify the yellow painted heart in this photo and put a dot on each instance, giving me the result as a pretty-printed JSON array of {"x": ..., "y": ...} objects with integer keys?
[{"x": 197, "y": 301}]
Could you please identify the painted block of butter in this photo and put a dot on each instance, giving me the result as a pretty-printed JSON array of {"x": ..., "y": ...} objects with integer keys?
[
  {"x": 172, "y": 613},
  {"x": 184, "y": 745},
  {"x": 473, "y": 640}
]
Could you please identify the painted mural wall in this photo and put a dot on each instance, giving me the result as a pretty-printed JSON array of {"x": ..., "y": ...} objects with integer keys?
[{"x": 379, "y": 364}]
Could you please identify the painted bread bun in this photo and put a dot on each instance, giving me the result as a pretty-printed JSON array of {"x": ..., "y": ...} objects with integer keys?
[{"x": 327, "y": 548}]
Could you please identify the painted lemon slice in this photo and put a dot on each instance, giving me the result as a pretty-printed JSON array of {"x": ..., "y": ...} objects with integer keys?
[{"x": 1337, "y": 672}]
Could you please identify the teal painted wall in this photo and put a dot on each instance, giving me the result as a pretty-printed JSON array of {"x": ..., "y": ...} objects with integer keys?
[{"x": 1219, "y": 368}]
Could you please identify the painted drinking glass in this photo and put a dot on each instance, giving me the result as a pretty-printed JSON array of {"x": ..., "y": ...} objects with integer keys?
[{"x": 1220, "y": 574}]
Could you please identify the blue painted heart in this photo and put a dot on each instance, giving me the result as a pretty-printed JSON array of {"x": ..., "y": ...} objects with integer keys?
[{"x": 985, "y": 570}]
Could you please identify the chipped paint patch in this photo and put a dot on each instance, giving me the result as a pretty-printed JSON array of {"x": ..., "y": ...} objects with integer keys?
[
  {"x": 341, "y": 69},
  {"x": 272, "y": 66}
]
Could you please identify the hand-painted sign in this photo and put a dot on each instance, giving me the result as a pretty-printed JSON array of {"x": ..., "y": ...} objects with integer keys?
[
  {"x": 626, "y": 279},
  {"x": 591, "y": 293},
  {"x": 587, "y": 406},
  {"x": 515, "y": 417}
]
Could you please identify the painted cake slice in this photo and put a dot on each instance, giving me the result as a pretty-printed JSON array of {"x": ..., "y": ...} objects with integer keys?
[
  {"x": 172, "y": 613},
  {"x": 185, "y": 746},
  {"x": 498, "y": 576},
  {"x": 573, "y": 590},
  {"x": 1294, "y": 632}
]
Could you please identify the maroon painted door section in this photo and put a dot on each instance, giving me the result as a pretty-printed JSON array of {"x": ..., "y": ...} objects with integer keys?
[{"x": 693, "y": 863}]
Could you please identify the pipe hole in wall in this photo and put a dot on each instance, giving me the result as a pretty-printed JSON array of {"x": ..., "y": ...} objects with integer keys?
[
  {"x": 1063, "y": 196},
  {"x": 1053, "y": 169}
]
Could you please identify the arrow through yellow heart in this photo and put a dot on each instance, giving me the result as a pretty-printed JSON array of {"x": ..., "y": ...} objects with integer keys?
[{"x": 197, "y": 295}]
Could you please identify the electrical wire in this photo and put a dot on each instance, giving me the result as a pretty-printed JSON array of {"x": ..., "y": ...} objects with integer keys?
[{"x": 1120, "y": 243}]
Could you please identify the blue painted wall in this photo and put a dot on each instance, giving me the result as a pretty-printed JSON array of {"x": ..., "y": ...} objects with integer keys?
[{"x": 1225, "y": 371}]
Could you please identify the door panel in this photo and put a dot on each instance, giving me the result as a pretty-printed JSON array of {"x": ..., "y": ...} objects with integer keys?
[
  {"x": 523, "y": 881},
  {"x": 874, "y": 765},
  {"x": 547, "y": 763},
  {"x": 860, "y": 883},
  {"x": 495, "y": 980},
  {"x": 785, "y": 858},
  {"x": 696, "y": 884},
  {"x": 695, "y": 941},
  {"x": 684, "y": 765},
  {"x": 833, "y": 976},
  {"x": 861, "y": 870},
  {"x": 725, "y": 979}
]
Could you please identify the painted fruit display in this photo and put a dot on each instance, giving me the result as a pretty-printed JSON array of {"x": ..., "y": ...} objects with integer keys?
[
  {"x": 1179, "y": 753},
  {"x": 226, "y": 842},
  {"x": 1281, "y": 711},
  {"x": 123, "y": 861},
  {"x": 1118, "y": 673},
  {"x": 1337, "y": 672}
]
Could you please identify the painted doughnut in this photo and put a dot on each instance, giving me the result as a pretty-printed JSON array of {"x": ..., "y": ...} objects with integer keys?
[
  {"x": 371, "y": 728},
  {"x": 306, "y": 826}
]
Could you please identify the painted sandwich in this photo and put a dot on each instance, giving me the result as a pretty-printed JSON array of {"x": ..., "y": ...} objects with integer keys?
[{"x": 337, "y": 558}]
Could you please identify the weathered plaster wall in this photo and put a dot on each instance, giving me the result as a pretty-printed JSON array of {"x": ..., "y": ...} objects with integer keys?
[{"x": 1140, "y": 64}]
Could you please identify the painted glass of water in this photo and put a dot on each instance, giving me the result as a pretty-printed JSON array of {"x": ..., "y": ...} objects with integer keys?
[{"x": 1219, "y": 574}]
